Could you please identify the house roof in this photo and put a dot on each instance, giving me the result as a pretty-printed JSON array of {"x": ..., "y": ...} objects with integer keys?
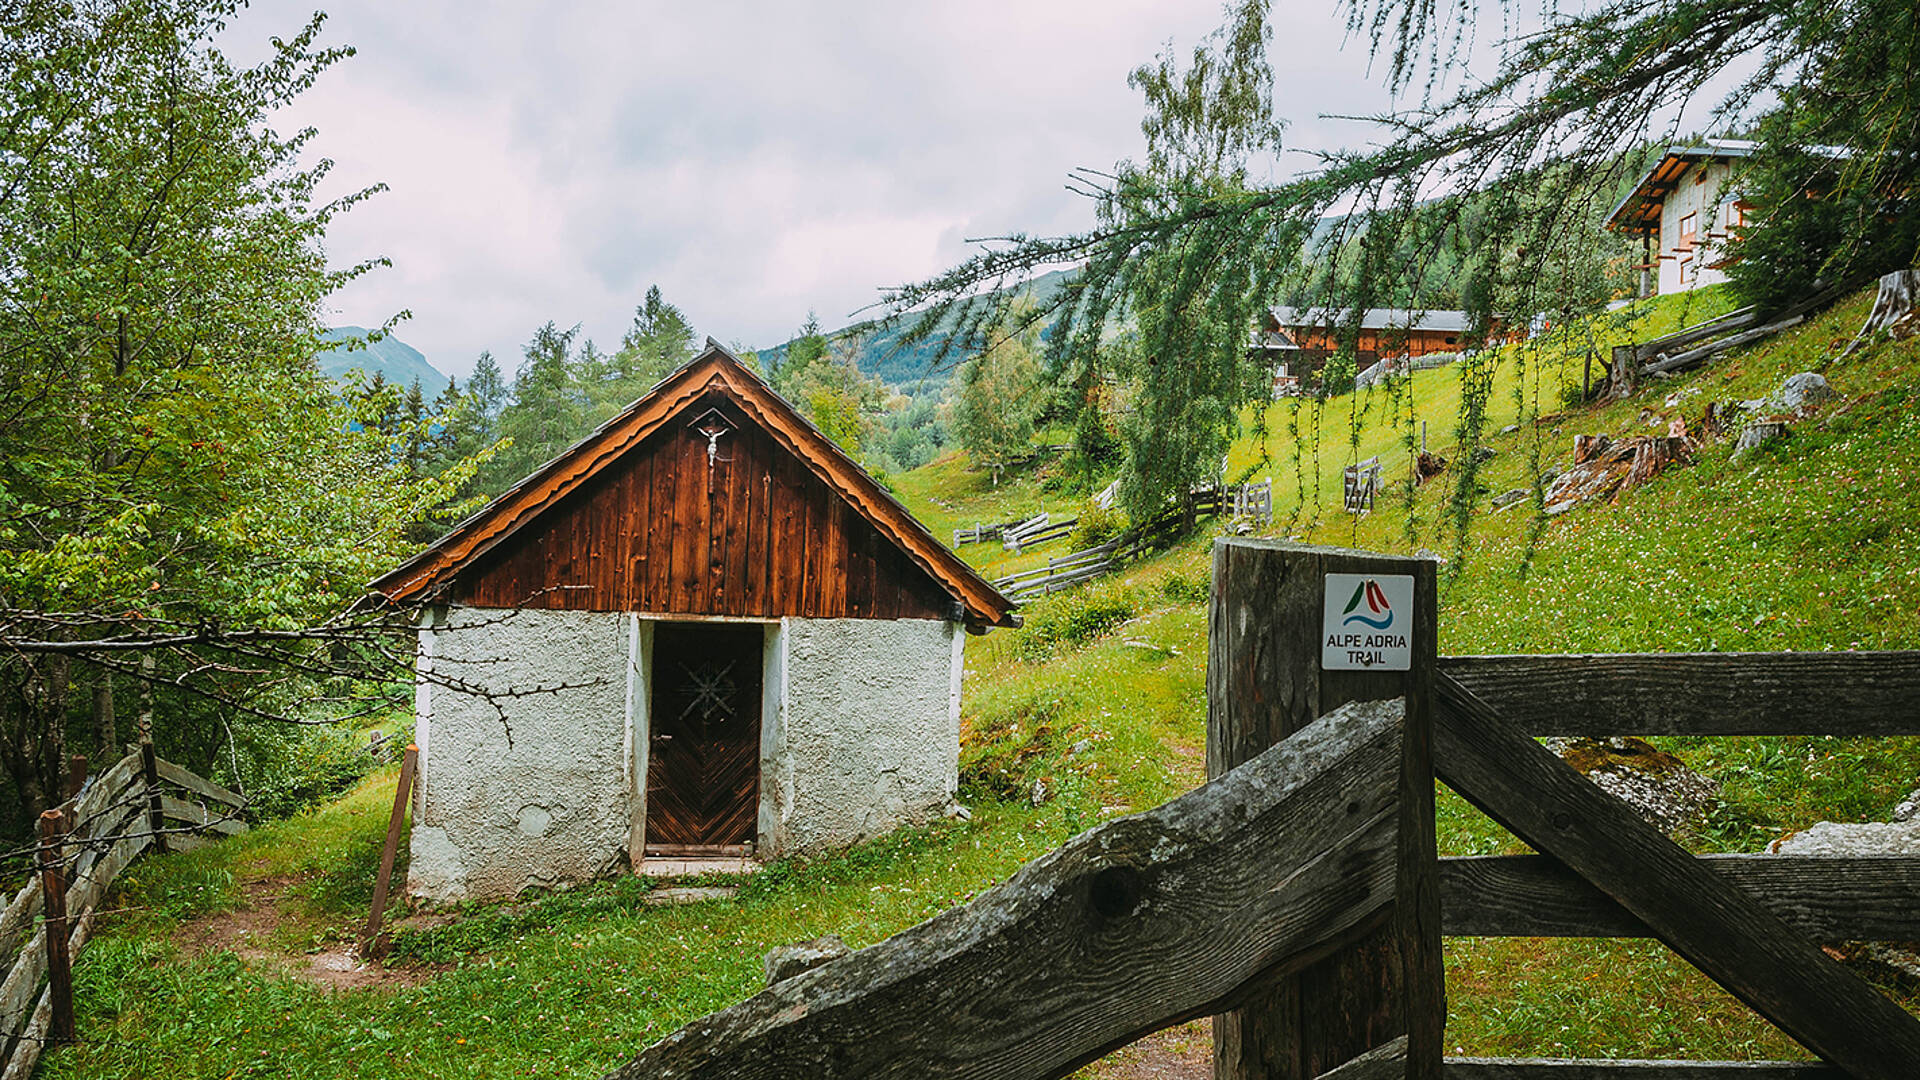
[
  {"x": 427, "y": 574},
  {"x": 1639, "y": 211},
  {"x": 1450, "y": 322}
]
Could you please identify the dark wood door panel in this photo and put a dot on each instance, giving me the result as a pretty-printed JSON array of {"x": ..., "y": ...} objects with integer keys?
[{"x": 703, "y": 765}]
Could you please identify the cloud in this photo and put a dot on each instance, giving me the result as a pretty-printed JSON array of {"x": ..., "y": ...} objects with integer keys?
[{"x": 757, "y": 161}]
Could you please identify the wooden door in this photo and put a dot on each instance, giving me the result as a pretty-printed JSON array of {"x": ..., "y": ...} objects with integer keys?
[{"x": 703, "y": 761}]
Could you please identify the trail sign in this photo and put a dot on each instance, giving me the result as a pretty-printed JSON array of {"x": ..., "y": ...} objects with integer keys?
[{"x": 1367, "y": 623}]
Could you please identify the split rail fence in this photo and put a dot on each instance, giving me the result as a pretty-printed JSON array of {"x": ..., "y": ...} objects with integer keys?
[
  {"x": 1251, "y": 501},
  {"x": 1696, "y": 344},
  {"x": 1297, "y": 896},
  {"x": 140, "y": 802}
]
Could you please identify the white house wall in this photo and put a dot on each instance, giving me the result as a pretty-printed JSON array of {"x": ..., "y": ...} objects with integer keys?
[
  {"x": 541, "y": 795},
  {"x": 861, "y": 733},
  {"x": 1712, "y": 204}
]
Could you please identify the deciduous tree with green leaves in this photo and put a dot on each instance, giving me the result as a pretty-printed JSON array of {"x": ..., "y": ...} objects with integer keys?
[
  {"x": 1000, "y": 397},
  {"x": 184, "y": 499}
]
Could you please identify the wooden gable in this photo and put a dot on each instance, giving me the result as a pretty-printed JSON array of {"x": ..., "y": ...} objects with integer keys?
[{"x": 708, "y": 496}]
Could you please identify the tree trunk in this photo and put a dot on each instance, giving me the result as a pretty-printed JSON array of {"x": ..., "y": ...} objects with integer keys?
[
  {"x": 1623, "y": 373},
  {"x": 33, "y": 731},
  {"x": 50, "y": 705},
  {"x": 106, "y": 731}
]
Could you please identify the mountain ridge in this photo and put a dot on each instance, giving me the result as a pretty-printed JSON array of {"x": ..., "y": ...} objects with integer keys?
[{"x": 392, "y": 359}]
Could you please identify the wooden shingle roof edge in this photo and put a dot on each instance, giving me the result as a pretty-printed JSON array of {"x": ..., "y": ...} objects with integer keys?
[{"x": 422, "y": 577}]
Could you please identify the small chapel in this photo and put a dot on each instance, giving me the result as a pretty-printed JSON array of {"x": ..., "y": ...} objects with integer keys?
[{"x": 702, "y": 631}]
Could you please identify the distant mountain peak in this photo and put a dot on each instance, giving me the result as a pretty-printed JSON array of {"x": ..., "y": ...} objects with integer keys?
[{"x": 390, "y": 358}]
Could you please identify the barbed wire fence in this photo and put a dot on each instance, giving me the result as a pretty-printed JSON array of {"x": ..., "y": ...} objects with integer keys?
[{"x": 109, "y": 819}]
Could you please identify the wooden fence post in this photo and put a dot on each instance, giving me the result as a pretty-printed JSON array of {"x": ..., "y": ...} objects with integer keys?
[
  {"x": 1265, "y": 681},
  {"x": 53, "y": 895},
  {"x": 371, "y": 946},
  {"x": 76, "y": 774},
  {"x": 156, "y": 810}
]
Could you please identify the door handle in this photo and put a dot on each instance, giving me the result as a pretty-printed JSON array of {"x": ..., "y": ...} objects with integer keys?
[{"x": 663, "y": 738}]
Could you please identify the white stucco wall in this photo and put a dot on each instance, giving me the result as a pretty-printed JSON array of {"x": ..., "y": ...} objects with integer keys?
[
  {"x": 861, "y": 733},
  {"x": 1704, "y": 192},
  {"x": 541, "y": 796}
]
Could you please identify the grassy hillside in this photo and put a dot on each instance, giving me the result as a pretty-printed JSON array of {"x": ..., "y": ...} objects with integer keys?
[{"x": 1097, "y": 708}]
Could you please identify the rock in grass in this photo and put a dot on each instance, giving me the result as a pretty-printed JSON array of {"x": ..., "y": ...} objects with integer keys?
[
  {"x": 786, "y": 961},
  {"x": 1508, "y": 498},
  {"x": 1658, "y": 786},
  {"x": 1803, "y": 391},
  {"x": 1758, "y": 433},
  {"x": 1833, "y": 838}
]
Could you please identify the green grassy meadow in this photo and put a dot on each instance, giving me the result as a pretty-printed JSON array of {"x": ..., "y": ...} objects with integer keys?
[{"x": 1097, "y": 708}]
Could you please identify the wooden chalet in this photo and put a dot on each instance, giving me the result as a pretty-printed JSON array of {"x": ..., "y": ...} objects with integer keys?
[
  {"x": 702, "y": 630},
  {"x": 1684, "y": 209},
  {"x": 1296, "y": 343}
]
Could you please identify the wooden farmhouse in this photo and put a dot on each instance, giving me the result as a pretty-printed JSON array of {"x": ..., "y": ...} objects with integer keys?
[
  {"x": 701, "y": 631},
  {"x": 1683, "y": 210},
  {"x": 1296, "y": 343}
]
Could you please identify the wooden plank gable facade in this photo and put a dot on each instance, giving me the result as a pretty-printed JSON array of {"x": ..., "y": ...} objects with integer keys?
[
  {"x": 707, "y": 496},
  {"x": 749, "y": 531}
]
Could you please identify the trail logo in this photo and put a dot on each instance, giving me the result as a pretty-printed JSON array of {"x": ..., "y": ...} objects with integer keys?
[
  {"x": 1381, "y": 611},
  {"x": 1367, "y": 623}
]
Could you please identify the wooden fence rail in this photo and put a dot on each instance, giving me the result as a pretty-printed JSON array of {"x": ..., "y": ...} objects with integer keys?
[
  {"x": 1141, "y": 922},
  {"x": 1241, "y": 500},
  {"x": 110, "y": 827},
  {"x": 1298, "y": 895}
]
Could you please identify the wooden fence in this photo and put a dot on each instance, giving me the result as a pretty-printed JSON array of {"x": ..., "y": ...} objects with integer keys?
[
  {"x": 1297, "y": 894},
  {"x": 140, "y": 802},
  {"x": 1696, "y": 344},
  {"x": 1360, "y": 484},
  {"x": 1252, "y": 501}
]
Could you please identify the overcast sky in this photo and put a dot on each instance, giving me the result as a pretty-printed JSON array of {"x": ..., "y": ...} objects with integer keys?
[{"x": 756, "y": 161}]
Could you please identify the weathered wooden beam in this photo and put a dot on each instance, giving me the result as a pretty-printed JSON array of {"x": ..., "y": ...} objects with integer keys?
[
  {"x": 370, "y": 944},
  {"x": 1872, "y": 898},
  {"x": 1800, "y": 693},
  {"x": 1585, "y": 1069},
  {"x": 53, "y": 885},
  {"x": 198, "y": 785},
  {"x": 1711, "y": 349},
  {"x": 220, "y": 821},
  {"x": 1702, "y": 916},
  {"x": 1388, "y": 1061},
  {"x": 1724, "y": 324},
  {"x": 1142, "y": 922},
  {"x": 1264, "y": 682},
  {"x": 108, "y": 788}
]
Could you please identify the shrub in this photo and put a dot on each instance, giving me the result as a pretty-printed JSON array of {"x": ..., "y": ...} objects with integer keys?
[
  {"x": 1075, "y": 617},
  {"x": 284, "y": 772},
  {"x": 1184, "y": 589},
  {"x": 1096, "y": 526},
  {"x": 1002, "y": 755}
]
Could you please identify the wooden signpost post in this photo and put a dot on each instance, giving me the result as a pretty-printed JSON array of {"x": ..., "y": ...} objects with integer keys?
[
  {"x": 53, "y": 893},
  {"x": 1268, "y": 676}
]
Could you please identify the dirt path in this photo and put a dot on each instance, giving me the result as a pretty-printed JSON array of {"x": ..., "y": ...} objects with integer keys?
[
  {"x": 1178, "y": 1053},
  {"x": 266, "y": 931}
]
